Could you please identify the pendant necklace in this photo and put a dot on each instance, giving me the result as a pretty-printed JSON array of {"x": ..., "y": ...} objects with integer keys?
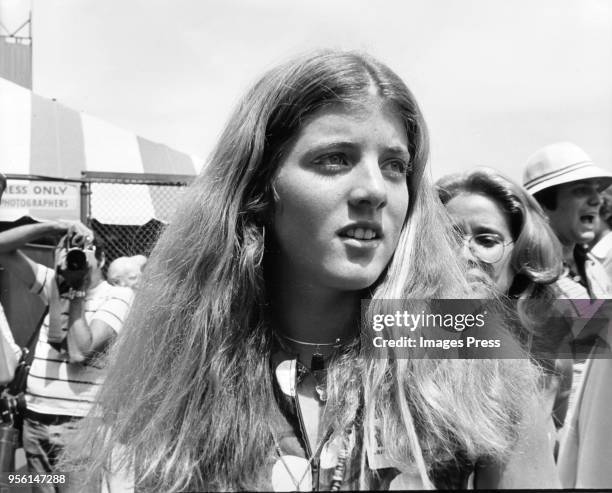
[
  {"x": 317, "y": 368},
  {"x": 317, "y": 364}
]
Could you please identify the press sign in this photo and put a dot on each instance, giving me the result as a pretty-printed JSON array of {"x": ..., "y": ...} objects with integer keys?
[{"x": 39, "y": 199}]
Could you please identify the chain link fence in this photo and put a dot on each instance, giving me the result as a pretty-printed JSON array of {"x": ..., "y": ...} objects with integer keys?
[{"x": 129, "y": 213}]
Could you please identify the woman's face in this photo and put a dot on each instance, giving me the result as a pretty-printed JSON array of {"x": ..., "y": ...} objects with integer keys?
[
  {"x": 342, "y": 197},
  {"x": 487, "y": 236}
]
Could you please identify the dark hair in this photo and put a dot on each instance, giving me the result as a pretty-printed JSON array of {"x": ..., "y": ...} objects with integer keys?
[
  {"x": 605, "y": 211},
  {"x": 198, "y": 339},
  {"x": 547, "y": 198}
]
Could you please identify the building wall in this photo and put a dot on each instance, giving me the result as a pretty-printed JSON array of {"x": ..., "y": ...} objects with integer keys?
[{"x": 16, "y": 60}]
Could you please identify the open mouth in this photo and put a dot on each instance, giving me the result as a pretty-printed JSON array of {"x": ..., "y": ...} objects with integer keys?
[
  {"x": 361, "y": 234},
  {"x": 588, "y": 219}
]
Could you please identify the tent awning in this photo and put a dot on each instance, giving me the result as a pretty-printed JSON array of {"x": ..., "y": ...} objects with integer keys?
[{"x": 42, "y": 137}]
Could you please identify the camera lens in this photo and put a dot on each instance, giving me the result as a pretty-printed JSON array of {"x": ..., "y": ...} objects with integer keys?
[{"x": 76, "y": 259}]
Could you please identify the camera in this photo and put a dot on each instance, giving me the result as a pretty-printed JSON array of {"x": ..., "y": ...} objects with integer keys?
[
  {"x": 76, "y": 260},
  {"x": 72, "y": 264}
]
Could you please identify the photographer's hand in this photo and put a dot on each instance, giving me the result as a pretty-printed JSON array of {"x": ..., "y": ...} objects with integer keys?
[
  {"x": 78, "y": 233},
  {"x": 85, "y": 282}
]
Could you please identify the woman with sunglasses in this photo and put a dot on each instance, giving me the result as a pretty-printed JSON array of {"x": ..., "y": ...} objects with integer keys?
[
  {"x": 241, "y": 366},
  {"x": 504, "y": 236}
]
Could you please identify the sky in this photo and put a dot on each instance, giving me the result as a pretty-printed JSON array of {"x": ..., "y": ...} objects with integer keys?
[{"x": 496, "y": 79}]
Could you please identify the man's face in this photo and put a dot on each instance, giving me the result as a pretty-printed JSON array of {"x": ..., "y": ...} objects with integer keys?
[{"x": 575, "y": 218}]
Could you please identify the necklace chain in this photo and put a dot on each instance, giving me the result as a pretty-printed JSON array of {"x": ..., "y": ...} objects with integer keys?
[
  {"x": 338, "y": 473},
  {"x": 337, "y": 342}
]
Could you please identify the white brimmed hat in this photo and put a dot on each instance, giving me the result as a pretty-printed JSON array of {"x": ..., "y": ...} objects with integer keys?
[{"x": 560, "y": 163}]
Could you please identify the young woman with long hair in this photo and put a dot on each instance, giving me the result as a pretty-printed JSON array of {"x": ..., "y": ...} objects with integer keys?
[
  {"x": 240, "y": 366},
  {"x": 505, "y": 236}
]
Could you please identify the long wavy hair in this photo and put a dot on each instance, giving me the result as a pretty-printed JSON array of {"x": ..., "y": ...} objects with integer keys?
[
  {"x": 189, "y": 392},
  {"x": 536, "y": 258}
]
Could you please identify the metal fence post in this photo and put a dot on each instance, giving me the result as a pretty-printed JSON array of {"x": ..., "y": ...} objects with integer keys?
[{"x": 85, "y": 202}]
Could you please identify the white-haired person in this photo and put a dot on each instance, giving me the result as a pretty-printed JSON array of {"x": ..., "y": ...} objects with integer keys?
[{"x": 126, "y": 271}]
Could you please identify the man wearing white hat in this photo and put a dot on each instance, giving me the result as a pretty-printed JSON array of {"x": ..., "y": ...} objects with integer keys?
[
  {"x": 566, "y": 183},
  {"x": 568, "y": 186}
]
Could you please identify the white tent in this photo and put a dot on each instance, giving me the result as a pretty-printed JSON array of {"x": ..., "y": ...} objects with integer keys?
[{"x": 40, "y": 138}]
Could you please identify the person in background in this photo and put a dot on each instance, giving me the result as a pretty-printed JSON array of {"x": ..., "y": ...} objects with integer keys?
[
  {"x": 85, "y": 315},
  {"x": 504, "y": 235},
  {"x": 140, "y": 260},
  {"x": 126, "y": 271},
  {"x": 9, "y": 350},
  {"x": 242, "y": 356},
  {"x": 601, "y": 246},
  {"x": 567, "y": 184}
]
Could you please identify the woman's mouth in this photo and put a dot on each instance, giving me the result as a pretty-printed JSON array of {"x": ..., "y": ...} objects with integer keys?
[
  {"x": 361, "y": 234},
  {"x": 481, "y": 283}
]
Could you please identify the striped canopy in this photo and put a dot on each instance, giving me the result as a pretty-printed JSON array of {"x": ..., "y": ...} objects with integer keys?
[{"x": 41, "y": 137}]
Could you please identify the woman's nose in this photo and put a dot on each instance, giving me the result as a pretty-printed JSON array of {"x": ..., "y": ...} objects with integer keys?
[
  {"x": 369, "y": 187},
  {"x": 467, "y": 252}
]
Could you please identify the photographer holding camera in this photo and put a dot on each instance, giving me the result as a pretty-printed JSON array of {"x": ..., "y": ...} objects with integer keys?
[{"x": 85, "y": 314}]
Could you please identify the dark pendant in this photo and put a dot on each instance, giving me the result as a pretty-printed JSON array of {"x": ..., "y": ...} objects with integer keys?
[
  {"x": 317, "y": 369},
  {"x": 317, "y": 363}
]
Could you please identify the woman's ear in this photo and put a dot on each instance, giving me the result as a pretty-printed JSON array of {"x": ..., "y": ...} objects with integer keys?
[
  {"x": 272, "y": 202},
  {"x": 261, "y": 207}
]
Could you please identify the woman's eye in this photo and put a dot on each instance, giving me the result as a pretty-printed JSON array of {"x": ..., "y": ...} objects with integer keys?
[
  {"x": 396, "y": 166},
  {"x": 487, "y": 241},
  {"x": 336, "y": 159}
]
